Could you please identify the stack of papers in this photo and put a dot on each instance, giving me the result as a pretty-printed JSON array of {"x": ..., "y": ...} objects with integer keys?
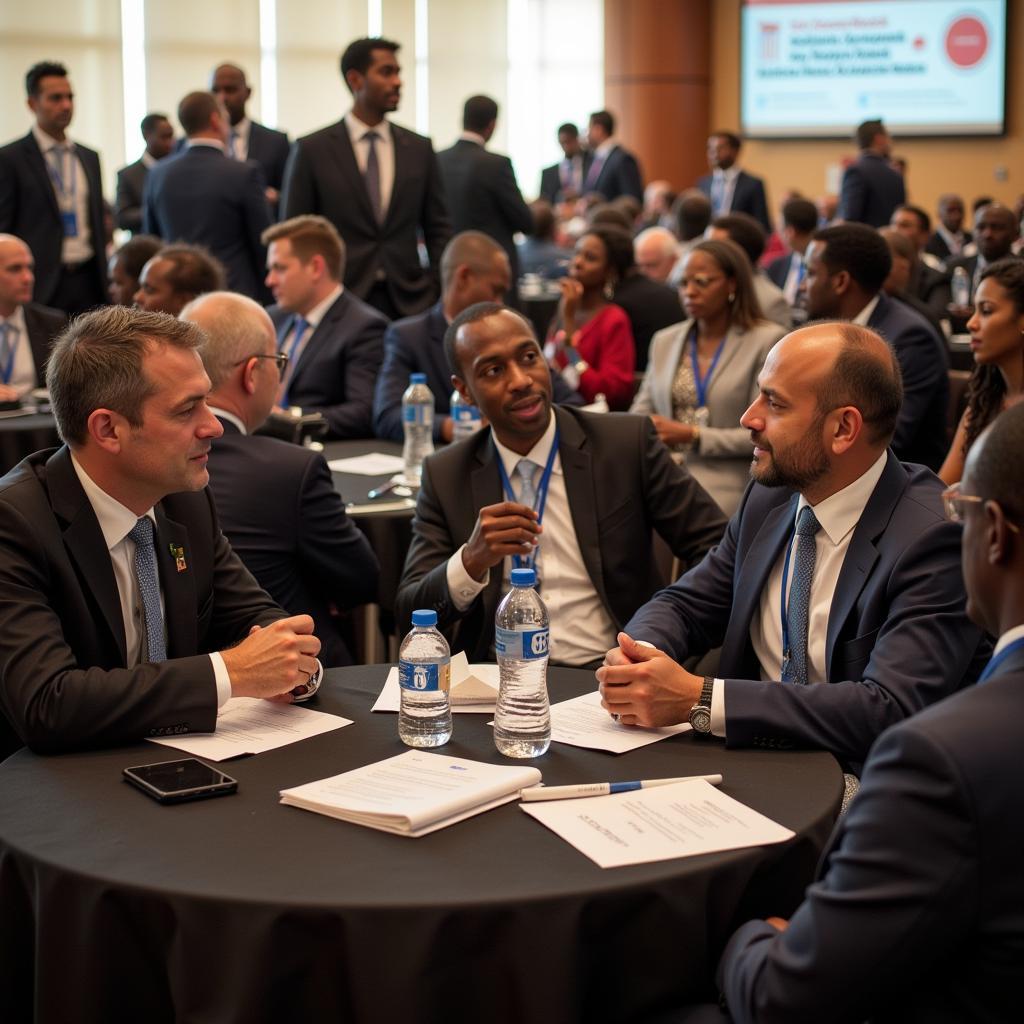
[
  {"x": 474, "y": 688},
  {"x": 373, "y": 464}
]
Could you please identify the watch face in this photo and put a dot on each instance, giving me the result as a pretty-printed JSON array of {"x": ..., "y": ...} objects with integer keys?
[{"x": 700, "y": 719}]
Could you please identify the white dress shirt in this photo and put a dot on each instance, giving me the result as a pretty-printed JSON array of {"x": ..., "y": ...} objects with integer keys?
[
  {"x": 238, "y": 139},
  {"x": 23, "y": 370},
  {"x": 1015, "y": 633},
  {"x": 862, "y": 318},
  {"x": 385, "y": 146},
  {"x": 71, "y": 190},
  {"x": 791, "y": 287},
  {"x": 726, "y": 181}
]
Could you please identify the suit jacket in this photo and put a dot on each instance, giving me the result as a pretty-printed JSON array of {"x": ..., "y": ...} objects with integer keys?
[
  {"x": 338, "y": 367},
  {"x": 721, "y": 462},
  {"x": 131, "y": 182},
  {"x": 294, "y": 537},
  {"x": 618, "y": 175},
  {"x": 204, "y": 197},
  {"x": 269, "y": 148},
  {"x": 932, "y": 287},
  {"x": 621, "y": 483},
  {"x": 918, "y": 914},
  {"x": 323, "y": 177},
  {"x": 483, "y": 195},
  {"x": 651, "y": 306},
  {"x": 778, "y": 270},
  {"x": 898, "y": 636},
  {"x": 871, "y": 189},
  {"x": 748, "y": 196},
  {"x": 43, "y": 325},
  {"x": 62, "y": 641},
  {"x": 28, "y": 209},
  {"x": 551, "y": 187},
  {"x": 937, "y": 246},
  {"x": 772, "y": 300},
  {"x": 924, "y": 362}
]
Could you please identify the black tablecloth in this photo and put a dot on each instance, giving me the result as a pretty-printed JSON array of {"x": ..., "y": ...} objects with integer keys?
[
  {"x": 23, "y": 435},
  {"x": 113, "y": 907}
]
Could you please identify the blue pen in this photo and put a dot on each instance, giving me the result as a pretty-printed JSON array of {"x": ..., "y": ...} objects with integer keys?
[{"x": 606, "y": 788}]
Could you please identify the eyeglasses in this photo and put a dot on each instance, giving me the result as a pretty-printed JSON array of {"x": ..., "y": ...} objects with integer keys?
[
  {"x": 701, "y": 281},
  {"x": 953, "y": 502},
  {"x": 281, "y": 358}
]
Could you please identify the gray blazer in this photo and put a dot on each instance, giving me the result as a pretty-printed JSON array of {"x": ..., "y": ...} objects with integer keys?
[{"x": 721, "y": 462}]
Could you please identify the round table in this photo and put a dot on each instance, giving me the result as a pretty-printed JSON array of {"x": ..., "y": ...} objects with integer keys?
[
  {"x": 238, "y": 909},
  {"x": 24, "y": 434}
]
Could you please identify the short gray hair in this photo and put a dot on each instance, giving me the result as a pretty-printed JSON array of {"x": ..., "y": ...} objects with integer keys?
[{"x": 235, "y": 326}]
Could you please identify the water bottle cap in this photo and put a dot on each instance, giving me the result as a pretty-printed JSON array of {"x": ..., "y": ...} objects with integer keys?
[
  {"x": 424, "y": 617},
  {"x": 417, "y": 378},
  {"x": 523, "y": 577}
]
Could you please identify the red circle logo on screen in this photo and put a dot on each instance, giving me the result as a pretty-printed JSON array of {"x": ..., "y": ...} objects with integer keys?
[{"x": 966, "y": 42}]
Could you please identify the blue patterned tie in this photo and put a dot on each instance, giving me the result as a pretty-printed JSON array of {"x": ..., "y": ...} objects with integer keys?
[
  {"x": 799, "y": 608},
  {"x": 149, "y": 587},
  {"x": 6, "y": 351}
]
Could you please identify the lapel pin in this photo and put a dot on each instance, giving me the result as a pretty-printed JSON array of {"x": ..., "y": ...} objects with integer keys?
[{"x": 178, "y": 554}]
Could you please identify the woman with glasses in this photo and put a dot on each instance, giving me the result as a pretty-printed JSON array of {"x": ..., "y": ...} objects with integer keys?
[
  {"x": 702, "y": 373},
  {"x": 997, "y": 342}
]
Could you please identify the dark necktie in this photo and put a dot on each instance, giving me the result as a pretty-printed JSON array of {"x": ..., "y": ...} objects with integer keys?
[
  {"x": 149, "y": 588},
  {"x": 7, "y": 347},
  {"x": 799, "y": 607},
  {"x": 373, "y": 175}
]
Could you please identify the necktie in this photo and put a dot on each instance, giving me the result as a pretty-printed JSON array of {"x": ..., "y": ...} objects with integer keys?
[
  {"x": 7, "y": 347},
  {"x": 526, "y": 470},
  {"x": 717, "y": 194},
  {"x": 233, "y": 144},
  {"x": 595, "y": 172},
  {"x": 799, "y": 607},
  {"x": 149, "y": 587},
  {"x": 373, "y": 175},
  {"x": 301, "y": 326}
]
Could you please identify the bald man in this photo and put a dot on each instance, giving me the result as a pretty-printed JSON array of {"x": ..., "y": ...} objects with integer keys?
[
  {"x": 835, "y": 595},
  {"x": 656, "y": 251}
]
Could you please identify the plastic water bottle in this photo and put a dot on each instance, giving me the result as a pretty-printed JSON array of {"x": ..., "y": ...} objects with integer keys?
[
  {"x": 522, "y": 719},
  {"x": 465, "y": 417},
  {"x": 961, "y": 287},
  {"x": 418, "y": 425},
  {"x": 424, "y": 678}
]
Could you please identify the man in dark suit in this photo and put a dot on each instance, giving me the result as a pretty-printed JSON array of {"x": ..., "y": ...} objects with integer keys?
[
  {"x": 563, "y": 181},
  {"x": 928, "y": 282},
  {"x": 378, "y": 184},
  {"x": 799, "y": 222},
  {"x": 202, "y": 196},
  {"x": 871, "y": 188},
  {"x": 874, "y": 627},
  {"x": 124, "y": 612},
  {"x": 898, "y": 283},
  {"x": 613, "y": 170},
  {"x": 293, "y": 536},
  {"x": 730, "y": 189},
  {"x": 51, "y": 195},
  {"x": 131, "y": 180},
  {"x": 949, "y": 240},
  {"x": 481, "y": 187},
  {"x": 333, "y": 340},
  {"x": 611, "y": 482},
  {"x": 248, "y": 139},
  {"x": 918, "y": 911}
]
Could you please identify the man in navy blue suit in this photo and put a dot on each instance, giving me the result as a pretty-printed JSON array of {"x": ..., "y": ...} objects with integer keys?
[
  {"x": 871, "y": 188},
  {"x": 334, "y": 341},
  {"x": 613, "y": 170},
  {"x": 873, "y": 627},
  {"x": 918, "y": 913},
  {"x": 730, "y": 189},
  {"x": 203, "y": 197}
]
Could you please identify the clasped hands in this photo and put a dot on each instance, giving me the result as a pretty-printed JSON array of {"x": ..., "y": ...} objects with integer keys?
[{"x": 276, "y": 662}]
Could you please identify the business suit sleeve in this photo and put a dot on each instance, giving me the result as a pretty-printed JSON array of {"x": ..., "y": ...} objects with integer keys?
[
  {"x": 853, "y": 194},
  {"x": 257, "y": 218},
  {"x": 150, "y": 217},
  {"x": 510, "y": 199},
  {"x": 759, "y": 206},
  {"x": 434, "y": 220},
  {"x": 630, "y": 181},
  {"x": 8, "y": 194},
  {"x": 643, "y": 404},
  {"x": 299, "y": 191},
  {"x": 128, "y": 203},
  {"x": 363, "y": 354},
  {"x": 923, "y": 371}
]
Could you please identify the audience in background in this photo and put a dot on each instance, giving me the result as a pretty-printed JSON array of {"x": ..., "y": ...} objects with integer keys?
[
  {"x": 538, "y": 252},
  {"x": 692, "y": 214},
  {"x": 563, "y": 182},
  {"x": 897, "y": 284},
  {"x": 175, "y": 276},
  {"x": 657, "y": 211},
  {"x": 750, "y": 237},
  {"x": 799, "y": 222},
  {"x": 996, "y": 228},
  {"x": 158, "y": 134},
  {"x": 656, "y": 252},
  {"x": 125, "y": 267}
]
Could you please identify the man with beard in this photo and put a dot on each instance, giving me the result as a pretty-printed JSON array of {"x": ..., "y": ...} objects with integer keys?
[{"x": 839, "y": 568}]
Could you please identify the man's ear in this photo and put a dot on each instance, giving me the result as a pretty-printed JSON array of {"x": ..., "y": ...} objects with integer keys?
[
  {"x": 460, "y": 385},
  {"x": 1000, "y": 536},
  {"x": 107, "y": 429}
]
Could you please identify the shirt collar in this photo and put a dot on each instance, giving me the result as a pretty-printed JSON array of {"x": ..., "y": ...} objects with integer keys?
[
  {"x": 1015, "y": 633},
  {"x": 473, "y": 137},
  {"x": 48, "y": 142},
  {"x": 241, "y": 130},
  {"x": 357, "y": 129},
  {"x": 864, "y": 315},
  {"x": 225, "y": 415},
  {"x": 148, "y": 160},
  {"x": 839, "y": 513},
  {"x": 317, "y": 313},
  {"x": 605, "y": 148},
  {"x": 17, "y": 321},
  {"x": 726, "y": 174},
  {"x": 538, "y": 454},
  {"x": 116, "y": 521},
  {"x": 210, "y": 143}
]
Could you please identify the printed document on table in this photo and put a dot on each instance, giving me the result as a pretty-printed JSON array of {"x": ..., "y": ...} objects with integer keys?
[
  {"x": 372, "y": 464},
  {"x": 582, "y": 722},
  {"x": 248, "y": 725},
  {"x": 680, "y": 820},
  {"x": 474, "y": 688}
]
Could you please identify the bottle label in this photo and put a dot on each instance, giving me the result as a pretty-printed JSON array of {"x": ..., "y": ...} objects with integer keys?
[
  {"x": 417, "y": 413},
  {"x": 528, "y": 644},
  {"x": 424, "y": 678}
]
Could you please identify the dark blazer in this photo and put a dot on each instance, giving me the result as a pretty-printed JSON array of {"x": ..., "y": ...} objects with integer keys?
[
  {"x": 483, "y": 195},
  {"x": 621, "y": 484},
  {"x": 871, "y": 189},
  {"x": 651, "y": 306},
  {"x": 619, "y": 175},
  {"x": 43, "y": 325},
  {"x": 293, "y": 536},
  {"x": 62, "y": 643},
  {"x": 748, "y": 196},
  {"x": 131, "y": 182},
  {"x": 924, "y": 362},
  {"x": 551, "y": 178},
  {"x": 338, "y": 367},
  {"x": 204, "y": 197},
  {"x": 28, "y": 209},
  {"x": 936, "y": 245},
  {"x": 269, "y": 148},
  {"x": 932, "y": 287},
  {"x": 918, "y": 913},
  {"x": 323, "y": 177},
  {"x": 898, "y": 636},
  {"x": 778, "y": 270}
]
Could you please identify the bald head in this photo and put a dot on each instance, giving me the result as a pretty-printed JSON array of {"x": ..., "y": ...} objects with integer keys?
[
  {"x": 656, "y": 251},
  {"x": 474, "y": 268},
  {"x": 235, "y": 328},
  {"x": 229, "y": 85},
  {"x": 17, "y": 274},
  {"x": 471, "y": 248}
]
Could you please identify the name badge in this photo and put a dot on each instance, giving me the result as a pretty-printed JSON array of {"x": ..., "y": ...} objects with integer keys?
[{"x": 69, "y": 219}]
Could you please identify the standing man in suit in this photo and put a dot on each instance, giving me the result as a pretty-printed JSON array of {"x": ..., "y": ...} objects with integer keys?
[
  {"x": 158, "y": 135},
  {"x": 293, "y": 536},
  {"x": 563, "y": 182},
  {"x": 27, "y": 330},
  {"x": 378, "y": 184},
  {"x": 871, "y": 188},
  {"x": 333, "y": 340},
  {"x": 611, "y": 482},
  {"x": 874, "y": 627},
  {"x": 918, "y": 913},
  {"x": 202, "y": 196},
  {"x": 481, "y": 187},
  {"x": 124, "y": 613},
  {"x": 949, "y": 240},
  {"x": 730, "y": 189},
  {"x": 248, "y": 139},
  {"x": 799, "y": 222},
  {"x": 613, "y": 170},
  {"x": 51, "y": 195}
]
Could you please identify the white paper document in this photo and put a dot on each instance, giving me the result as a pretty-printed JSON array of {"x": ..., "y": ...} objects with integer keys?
[
  {"x": 682, "y": 820},
  {"x": 372, "y": 464},
  {"x": 413, "y": 793},
  {"x": 474, "y": 688},
  {"x": 582, "y": 722},
  {"x": 248, "y": 725}
]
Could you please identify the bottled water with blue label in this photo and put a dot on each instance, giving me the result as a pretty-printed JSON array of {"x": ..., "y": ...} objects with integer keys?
[
  {"x": 960, "y": 286},
  {"x": 465, "y": 417},
  {"x": 522, "y": 719},
  {"x": 424, "y": 678},
  {"x": 418, "y": 426}
]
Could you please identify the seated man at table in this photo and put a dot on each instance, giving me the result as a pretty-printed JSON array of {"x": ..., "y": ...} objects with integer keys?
[
  {"x": 919, "y": 910},
  {"x": 175, "y": 276},
  {"x": 124, "y": 613},
  {"x": 276, "y": 501},
  {"x": 872, "y": 627},
  {"x": 577, "y": 492},
  {"x": 332, "y": 338}
]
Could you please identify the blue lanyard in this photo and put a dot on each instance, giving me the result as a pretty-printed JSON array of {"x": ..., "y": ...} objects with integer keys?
[
  {"x": 9, "y": 368},
  {"x": 702, "y": 382},
  {"x": 58, "y": 176},
  {"x": 990, "y": 668},
  {"x": 539, "y": 501}
]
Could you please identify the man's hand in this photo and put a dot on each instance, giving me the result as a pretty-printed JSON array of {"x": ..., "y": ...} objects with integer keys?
[
  {"x": 273, "y": 660},
  {"x": 9, "y": 394},
  {"x": 644, "y": 686},
  {"x": 671, "y": 431},
  {"x": 504, "y": 529}
]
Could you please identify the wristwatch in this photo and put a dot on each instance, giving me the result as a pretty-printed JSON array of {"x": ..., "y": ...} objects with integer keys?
[{"x": 700, "y": 713}]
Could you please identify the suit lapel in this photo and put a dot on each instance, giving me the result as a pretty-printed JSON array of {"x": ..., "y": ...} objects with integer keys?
[
  {"x": 733, "y": 343},
  {"x": 326, "y": 325},
  {"x": 38, "y": 162},
  {"x": 38, "y": 341},
  {"x": 485, "y": 486},
  {"x": 757, "y": 564},
  {"x": 403, "y": 172},
  {"x": 178, "y": 585}
]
